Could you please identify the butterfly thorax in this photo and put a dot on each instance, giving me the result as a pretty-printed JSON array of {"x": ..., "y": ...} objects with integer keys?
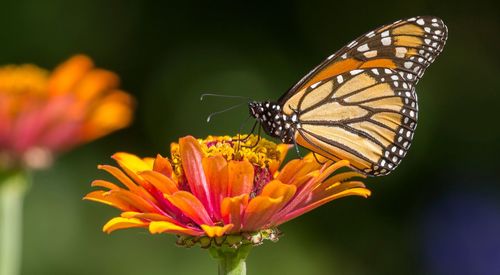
[{"x": 274, "y": 122}]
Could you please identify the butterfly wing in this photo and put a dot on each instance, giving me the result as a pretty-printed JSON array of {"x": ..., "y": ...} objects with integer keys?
[
  {"x": 406, "y": 46},
  {"x": 360, "y": 103},
  {"x": 367, "y": 116}
]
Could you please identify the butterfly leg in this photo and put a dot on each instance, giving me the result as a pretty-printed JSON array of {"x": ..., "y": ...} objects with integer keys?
[
  {"x": 258, "y": 138},
  {"x": 297, "y": 148}
]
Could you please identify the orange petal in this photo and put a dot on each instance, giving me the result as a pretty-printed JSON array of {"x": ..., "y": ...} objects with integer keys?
[
  {"x": 147, "y": 216},
  {"x": 131, "y": 162},
  {"x": 121, "y": 223},
  {"x": 217, "y": 175},
  {"x": 168, "y": 227},
  {"x": 341, "y": 177},
  {"x": 297, "y": 168},
  {"x": 259, "y": 211},
  {"x": 105, "y": 184},
  {"x": 191, "y": 157},
  {"x": 326, "y": 191},
  {"x": 94, "y": 83},
  {"x": 162, "y": 165},
  {"x": 240, "y": 177},
  {"x": 282, "y": 149},
  {"x": 118, "y": 174},
  {"x": 216, "y": 231},
  {"x": 103, "y": 197},
  {"x": 276, "y": 189},
  {"x": 232, "y": 209},
  {"x": 190, "y": 206},
  {"x": 135, "y": 200},
  {"x": 160, "y": 181},
  {"x": 132, "y": 165},
  {"x": 363, "y": 192},
  {"x": 325, "y": 173},
  {"x": 111, "y": 113},
  {"x": 66, "y": 75}
]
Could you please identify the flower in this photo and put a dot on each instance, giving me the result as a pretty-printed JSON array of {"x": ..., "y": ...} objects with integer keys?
[
  {"x": 219, "y": 190},
  {"x": 42, "y": 113}
]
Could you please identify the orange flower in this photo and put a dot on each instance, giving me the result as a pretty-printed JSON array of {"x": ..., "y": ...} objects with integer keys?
[
  {"x": 42, "y": 113},
  {"x": 215, "y": 188}
]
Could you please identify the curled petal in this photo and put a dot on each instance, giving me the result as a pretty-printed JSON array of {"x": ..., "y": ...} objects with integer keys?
[
  {"x": 158, "y": 227},
  {"x": 216, "y": 231},
  {"x": 121, "y": 223}
]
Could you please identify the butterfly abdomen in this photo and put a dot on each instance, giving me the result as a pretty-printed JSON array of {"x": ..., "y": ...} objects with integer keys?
[{"x": 274, "y": 122}]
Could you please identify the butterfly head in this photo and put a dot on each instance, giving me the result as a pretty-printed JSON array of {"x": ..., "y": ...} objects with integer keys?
[{"x": 274, "y": 122}]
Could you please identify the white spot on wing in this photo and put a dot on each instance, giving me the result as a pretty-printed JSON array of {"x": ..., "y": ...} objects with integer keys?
[
  {"x": 386, "y": 41},
  {"x": 401, "y": 51},
  {"x": 370, "y": 54},
  {"x": 315, "y": 84},
  {"x": 363, "y": 48}
]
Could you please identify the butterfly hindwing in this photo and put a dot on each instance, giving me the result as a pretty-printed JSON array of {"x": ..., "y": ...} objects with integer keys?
[{"x": 367, "y": 116}]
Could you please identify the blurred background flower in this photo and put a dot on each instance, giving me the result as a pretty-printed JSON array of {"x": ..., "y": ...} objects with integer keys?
[
  {"x": 44, "y": 113},
  {"x": 167, "y": 53}
]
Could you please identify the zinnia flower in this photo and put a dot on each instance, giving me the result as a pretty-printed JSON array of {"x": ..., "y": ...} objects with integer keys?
[
  {"x": 219, "y": 190},
  {"x": 42, "y": 113}
]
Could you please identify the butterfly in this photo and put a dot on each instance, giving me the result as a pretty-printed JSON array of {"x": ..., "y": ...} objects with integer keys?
[{"x": 359, "y": 104}]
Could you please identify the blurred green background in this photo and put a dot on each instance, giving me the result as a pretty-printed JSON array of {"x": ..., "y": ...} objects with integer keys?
[{"x": 438, "y": 213}]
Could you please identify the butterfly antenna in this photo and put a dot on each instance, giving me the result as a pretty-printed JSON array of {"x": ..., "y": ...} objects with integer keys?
[
  {"x": 223, "y": 111},
  {"x": 225, "y": 96}
]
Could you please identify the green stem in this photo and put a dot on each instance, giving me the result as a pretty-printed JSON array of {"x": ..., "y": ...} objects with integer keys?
[
  {"x": 231, "y": 260},
  {"x": 13, "y": 185}
]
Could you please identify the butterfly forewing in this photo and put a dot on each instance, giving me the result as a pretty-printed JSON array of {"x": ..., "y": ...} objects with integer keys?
[{"x": 407, "y": 46}]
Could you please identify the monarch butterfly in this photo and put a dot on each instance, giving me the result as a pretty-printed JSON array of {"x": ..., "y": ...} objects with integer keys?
[{"x": 360, "y": 103}]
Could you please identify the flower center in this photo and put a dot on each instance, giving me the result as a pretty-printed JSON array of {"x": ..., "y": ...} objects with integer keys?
[{"x": 261, "y": 153}]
